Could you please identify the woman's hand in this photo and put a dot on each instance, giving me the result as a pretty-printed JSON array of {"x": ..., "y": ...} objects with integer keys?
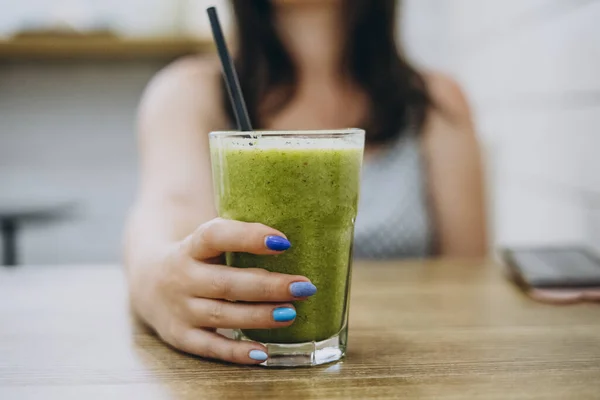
[{"x": 184, "y": 295}]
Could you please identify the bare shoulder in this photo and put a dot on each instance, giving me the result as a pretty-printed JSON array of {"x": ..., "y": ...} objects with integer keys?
[
  {"x": 188, "y": 85},
  {"x": 449, "y": 123},
  {"x": 449, "y": 100},
  {"x": 189, "y": 71}
]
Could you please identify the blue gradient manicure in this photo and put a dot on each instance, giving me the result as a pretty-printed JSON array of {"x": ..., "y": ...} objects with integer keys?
[
  {"x": 302, "y": 289},
  {"x": 286, "y": 314},
  {"x": 277, "y": 243},
  {"x": 258, "y": 355}
]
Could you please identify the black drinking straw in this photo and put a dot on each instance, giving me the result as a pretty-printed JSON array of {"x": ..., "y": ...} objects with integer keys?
[{"x": 230, "y": 74}]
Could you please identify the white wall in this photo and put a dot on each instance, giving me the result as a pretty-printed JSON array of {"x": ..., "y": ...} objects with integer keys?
[
  {"x": 529, "y": 67},
  {"x": 532, "y": 69}
]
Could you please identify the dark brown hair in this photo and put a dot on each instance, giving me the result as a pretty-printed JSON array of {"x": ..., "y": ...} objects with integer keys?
[{"x": 396, "y": 91}]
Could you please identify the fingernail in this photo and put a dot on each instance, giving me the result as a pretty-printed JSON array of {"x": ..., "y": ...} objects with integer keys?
[
  {"x": 277, "y": 243},
  {"x": 285, "y": 314},
  {"x": 258, "y": 355},
  {"x": 302, "y": 289}
]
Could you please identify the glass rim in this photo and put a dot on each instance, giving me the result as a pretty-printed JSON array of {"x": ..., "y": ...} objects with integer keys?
[{"x": 299, "y": 133}]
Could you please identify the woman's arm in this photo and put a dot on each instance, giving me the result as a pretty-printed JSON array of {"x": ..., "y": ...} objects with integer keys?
[
  {"x": 174, "y": 243},
  {"x": 455, "y": 172},
  {"x": 180, "y": 107}
]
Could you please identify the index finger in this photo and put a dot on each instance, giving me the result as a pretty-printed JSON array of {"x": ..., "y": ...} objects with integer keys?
[{"x": 222, "y": 235}]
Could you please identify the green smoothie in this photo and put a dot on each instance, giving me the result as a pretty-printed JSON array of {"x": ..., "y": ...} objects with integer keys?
[{"x": 308, "y": 189}]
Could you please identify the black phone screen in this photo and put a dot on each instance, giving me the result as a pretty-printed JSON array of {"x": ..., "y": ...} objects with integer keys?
[{"x": 555, "y": 267}]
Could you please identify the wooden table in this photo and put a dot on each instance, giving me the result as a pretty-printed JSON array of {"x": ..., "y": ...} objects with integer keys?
[{"x": 436, "y": 330}]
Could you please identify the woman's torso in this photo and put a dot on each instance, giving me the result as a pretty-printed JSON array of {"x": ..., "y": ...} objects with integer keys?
[{"x": 394, "y": 219}]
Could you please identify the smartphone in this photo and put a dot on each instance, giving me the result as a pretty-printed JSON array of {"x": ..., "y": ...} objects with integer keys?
[{"x": 557, "y": 274}]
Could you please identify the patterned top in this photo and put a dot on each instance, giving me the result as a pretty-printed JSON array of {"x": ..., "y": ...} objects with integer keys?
[{"x": 393, "y": 215}]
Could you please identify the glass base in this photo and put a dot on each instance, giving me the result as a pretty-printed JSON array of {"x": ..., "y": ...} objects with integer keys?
[{"x": 309, "y": 354}]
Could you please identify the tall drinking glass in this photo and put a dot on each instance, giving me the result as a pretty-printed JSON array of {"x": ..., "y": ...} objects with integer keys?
[{"x": 305, "y": 184}]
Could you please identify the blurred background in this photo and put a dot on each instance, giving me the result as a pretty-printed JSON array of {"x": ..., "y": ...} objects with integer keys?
[{"x": 72, "y": 72}]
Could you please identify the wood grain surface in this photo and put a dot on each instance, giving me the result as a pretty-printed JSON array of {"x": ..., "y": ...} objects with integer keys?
[{"x": 418, "y": 330}]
